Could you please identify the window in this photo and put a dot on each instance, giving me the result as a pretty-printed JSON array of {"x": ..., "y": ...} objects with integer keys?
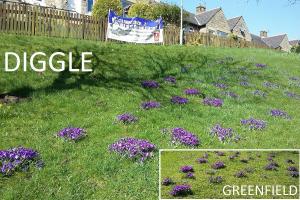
[
  {"x": 222, "y": 34},
  {"x": 90, "y": 5}
]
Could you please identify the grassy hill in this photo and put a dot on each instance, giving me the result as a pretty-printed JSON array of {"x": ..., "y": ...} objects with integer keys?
[{"x": 86, "y": 169}]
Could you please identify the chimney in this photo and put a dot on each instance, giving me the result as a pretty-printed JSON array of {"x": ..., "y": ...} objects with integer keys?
[
  {"x": 200, "y": 9},
  {"x": 263, "y": 34}
]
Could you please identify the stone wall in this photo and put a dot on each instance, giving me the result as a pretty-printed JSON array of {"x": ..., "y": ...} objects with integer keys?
[{"x": 237, "y": 30}]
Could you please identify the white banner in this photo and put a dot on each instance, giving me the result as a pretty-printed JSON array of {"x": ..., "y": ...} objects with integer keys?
[{"x": 136, "y": 30}]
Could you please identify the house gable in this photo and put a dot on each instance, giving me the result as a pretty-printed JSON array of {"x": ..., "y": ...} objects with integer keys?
[
  {"x": 285, "y": 44},
  {"x": 239, "y": 28},
  {"x": 218, "y": 23}
]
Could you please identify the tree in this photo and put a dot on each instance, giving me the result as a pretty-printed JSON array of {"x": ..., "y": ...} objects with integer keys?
[
  {"x": 169, "y": 13},
  {"x": 102, "y": 7}
]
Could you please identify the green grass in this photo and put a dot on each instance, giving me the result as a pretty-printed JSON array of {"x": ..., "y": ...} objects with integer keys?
[
  {"x": 86, "y": 170},
  {"x": 171, "y": 162}
]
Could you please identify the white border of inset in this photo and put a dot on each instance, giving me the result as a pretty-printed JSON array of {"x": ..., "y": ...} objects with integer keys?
[{"x": 201, "y": 150}]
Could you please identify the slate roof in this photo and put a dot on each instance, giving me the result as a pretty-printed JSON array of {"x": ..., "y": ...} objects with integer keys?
[
  {"x": 233, "y": 22},
  {"x": 295, "y": 42},
  {"x": 274, "y": 41},
  {"x": 257, "y": 40},
  {"x": 201, "y": 19}
]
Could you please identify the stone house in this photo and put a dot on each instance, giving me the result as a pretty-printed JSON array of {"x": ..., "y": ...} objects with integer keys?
[
  {"x": 278, "y": 42},
  {"x": 239, "y": 28},
  {"x": 212, "y": 21},
  {"x": 295, "y": 43}
]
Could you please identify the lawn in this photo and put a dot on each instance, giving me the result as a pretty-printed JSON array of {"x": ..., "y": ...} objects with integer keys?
[
  {"x": 87, "y": 169},
  {"x": 245, "y": 168}
]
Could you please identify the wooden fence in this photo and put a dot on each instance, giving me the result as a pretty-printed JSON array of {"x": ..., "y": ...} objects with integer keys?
[
  {"x": 26, "y": 19},
  {"x": 197, "y": 38}
]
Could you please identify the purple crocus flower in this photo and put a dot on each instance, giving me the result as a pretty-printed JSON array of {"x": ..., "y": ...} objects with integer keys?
[
  {"x": 221, "y": 133},
  {"x": 254, "y": 124},
  {"x": 72, "y": 133},
  {"x": 230, "y": 94},
  {"x": 202, "y": 160},
  {"x": 127, "y": 118},
  {"x": 213, "y": 102},
  {"x": 260, "y": 65},
  {"x": 218, "y": 165},
  {"x": 240, "y": 174},
  {"x": 244, "y": 83},
  {"x": 133, "y": 148},
  {"x": 183, "y": 136},
  {"x": 221, "y": 85},
  {"x": 279, "y": 113},
  {"x": 167, "y": 182},
  {"x": 190, "y": 175},
  {"x": 179, "y": 100},
  {"x": 294, "y": 174},
  {"x": 186, "y": 169},
  {"x": 220, "y": 153},
  {"x": 170, "y": 79},
  {"x": 192, "y": 91},
  {"x": 150, "y": 105},
  {"x": 150, "y": 84},
  {"x": 181, "y": 190}
]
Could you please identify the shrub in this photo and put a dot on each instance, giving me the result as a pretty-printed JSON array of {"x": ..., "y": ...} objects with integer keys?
[{"x": 101, "y": 7}]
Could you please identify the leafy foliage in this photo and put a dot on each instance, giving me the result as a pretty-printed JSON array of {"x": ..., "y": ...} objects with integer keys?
[{"x": 102, "y": 7}]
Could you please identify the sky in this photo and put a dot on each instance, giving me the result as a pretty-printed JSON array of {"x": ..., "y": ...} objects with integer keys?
[{"x": 275, "y": 16}]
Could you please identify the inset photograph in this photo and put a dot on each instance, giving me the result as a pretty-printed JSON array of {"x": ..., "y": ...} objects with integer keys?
[{"x": 229, "y": 174}]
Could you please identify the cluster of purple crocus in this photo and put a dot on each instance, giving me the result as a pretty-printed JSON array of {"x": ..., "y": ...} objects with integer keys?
[
  {"x": 127, "y": 118},
  {"x": 150, "y": 105},
  {"x": 167, "y": 182},
  {"x": 133, "y": 148},
  {"x": 192, "y": 91},
  {"x": 279, "y": 113},
  {"x": 230, "y": 94},
  {"x": 170, "y": 79},
  {"x": 150, "y": 84},
  {"x": 183, "y": 136},
  {"x": 213, "y": 102},
  {"x": 181, "y": 190},
  {"x": 179, "y": 100},
  {"x": 19, "y": 158},
  {"x": 292, "y": 95},
  {"x": 72, "y": 133},
  {"x": 259, "y": 93},
  {"x": 272, "y": 166},
  {"x": 215, "y": 179},
  {"x": 186, "y": 169},
  {"x": 293, "y": 171},
  {"x": 222, "y": 133},
  {"x": 218, "y": 165},
  {"x": 270, "y": 85},
  {"x": 254, "y": 124}
]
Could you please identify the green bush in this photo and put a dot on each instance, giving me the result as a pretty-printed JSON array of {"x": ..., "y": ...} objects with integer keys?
[{"x": 102, "y": 7}]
